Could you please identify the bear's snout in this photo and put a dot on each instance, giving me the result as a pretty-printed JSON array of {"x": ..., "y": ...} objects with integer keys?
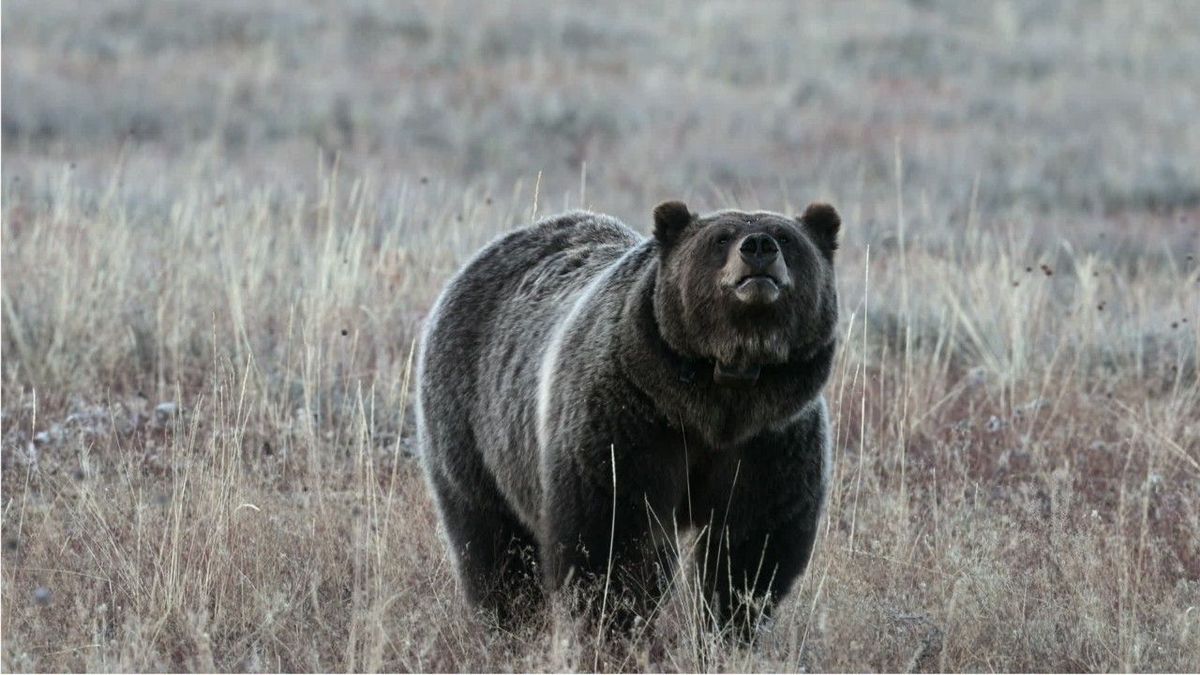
[{"x": 756, "y": 273}]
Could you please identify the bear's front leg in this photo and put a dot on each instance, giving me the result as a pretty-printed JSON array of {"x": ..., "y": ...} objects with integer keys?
[
  {"x": 745, "y": 573},
  {"x": 605, "y": 566},
  {"x": 764, "y": 507}
]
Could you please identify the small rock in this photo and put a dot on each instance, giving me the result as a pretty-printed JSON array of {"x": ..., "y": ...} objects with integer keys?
[
  {"x": 54, "y": 434},
  {"x": 42, "y": 595},
  {"x": 977, "y": 377},
  {"x": 1031, "y": 407},
  {"x": 166, "y": 410}
]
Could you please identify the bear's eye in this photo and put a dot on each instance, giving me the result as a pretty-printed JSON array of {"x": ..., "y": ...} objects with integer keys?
[
  {"x": 723, "y": 240},
  {"x": 783, "y": 239}
]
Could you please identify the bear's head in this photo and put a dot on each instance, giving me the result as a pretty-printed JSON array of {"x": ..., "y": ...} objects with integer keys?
[{"x": 745, "y": 289}]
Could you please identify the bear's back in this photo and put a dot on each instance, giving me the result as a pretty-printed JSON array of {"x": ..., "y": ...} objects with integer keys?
[
  {"x": 526, "y": 273},
  {"x": 485, "y": 339}
]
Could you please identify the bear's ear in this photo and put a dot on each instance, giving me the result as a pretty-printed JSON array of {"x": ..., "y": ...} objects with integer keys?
[
  {"x": 669, "y": 220},
  {"x": 823, "y": 221}
]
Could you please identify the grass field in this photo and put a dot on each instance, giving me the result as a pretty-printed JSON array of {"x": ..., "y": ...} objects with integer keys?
[{"x": 223, "y": 224}]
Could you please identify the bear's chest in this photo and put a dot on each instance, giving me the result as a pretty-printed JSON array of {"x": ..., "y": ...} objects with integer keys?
[{"x": 673, "y": 471}]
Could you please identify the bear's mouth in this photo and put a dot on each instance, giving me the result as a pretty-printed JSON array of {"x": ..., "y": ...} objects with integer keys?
[
  {"x": 757, "y": 289},
  {"x": 757, "y": 277}
]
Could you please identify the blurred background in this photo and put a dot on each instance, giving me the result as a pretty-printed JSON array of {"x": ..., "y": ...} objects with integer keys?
[{"x": 1081, "y": 108}]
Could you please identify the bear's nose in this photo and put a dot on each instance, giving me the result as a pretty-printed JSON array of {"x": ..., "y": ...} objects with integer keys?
[{"x": 760, "y": 250}]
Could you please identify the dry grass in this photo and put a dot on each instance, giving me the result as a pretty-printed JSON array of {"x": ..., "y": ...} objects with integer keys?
[{"x": 244, "y": 213}]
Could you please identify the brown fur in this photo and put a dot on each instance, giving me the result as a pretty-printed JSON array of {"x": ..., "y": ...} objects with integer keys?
[{"x": 693, "y": 359}]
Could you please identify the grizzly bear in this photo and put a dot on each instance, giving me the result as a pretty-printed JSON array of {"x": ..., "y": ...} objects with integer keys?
[{"x": 585, "y": 394}]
